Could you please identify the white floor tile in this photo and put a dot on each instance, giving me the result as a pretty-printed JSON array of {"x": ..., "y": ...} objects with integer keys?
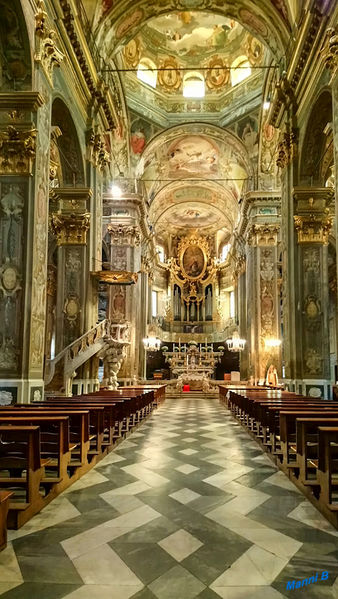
[{"x": 180, "y": 544}]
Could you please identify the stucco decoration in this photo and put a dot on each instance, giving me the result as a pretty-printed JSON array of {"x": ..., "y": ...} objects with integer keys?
[{"x": 120, "y": 23}]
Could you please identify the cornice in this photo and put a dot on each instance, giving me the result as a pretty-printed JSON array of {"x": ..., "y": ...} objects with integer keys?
[{"x": 26, "y": 101}]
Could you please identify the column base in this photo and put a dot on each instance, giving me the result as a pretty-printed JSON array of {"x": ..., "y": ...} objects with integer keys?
[
  {"x": 21, "y": 390},
  {"x": 310, "y": 387}
]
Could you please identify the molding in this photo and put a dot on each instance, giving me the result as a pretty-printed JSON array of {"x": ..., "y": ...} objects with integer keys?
[{"x": 26, "y": 101}]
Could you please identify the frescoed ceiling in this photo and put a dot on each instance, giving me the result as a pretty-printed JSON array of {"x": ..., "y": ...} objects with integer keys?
[
  {"x": 194, "y": 175},
  {"x": 182, "y": 41}
]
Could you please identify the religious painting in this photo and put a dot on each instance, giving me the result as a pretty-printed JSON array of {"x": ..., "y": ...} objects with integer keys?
[
  {"x": 193, "y": 154},
  {"x": 193, "y": 262},
  {"x": 183, "y": 34}
]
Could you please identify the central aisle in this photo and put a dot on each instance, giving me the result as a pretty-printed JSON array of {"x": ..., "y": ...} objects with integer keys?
[{"x": 188, "y": 506}]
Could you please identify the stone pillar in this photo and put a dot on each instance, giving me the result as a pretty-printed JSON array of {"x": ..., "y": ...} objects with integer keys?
[
  {"x": 241, "y": 310},
  {"x": 313, "y": 223},
  {"x": 125, "y": 300},
  {"x": 24, "y": 180},
  {"x": 70, "y": 223},
  {"x": 262, "y": 288}
]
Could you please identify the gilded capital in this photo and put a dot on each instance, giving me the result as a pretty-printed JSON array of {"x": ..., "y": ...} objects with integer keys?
[
  {"x": 70, "y": 229},
  {"x": 312, "y": 228},
  {"x": 313, "y": 219},
  {"x": 17, "y": 151},
  {"x": 124, "y": 234},
  {"x": 330, "y": 52},
  {"x": 263, "y": 234}
]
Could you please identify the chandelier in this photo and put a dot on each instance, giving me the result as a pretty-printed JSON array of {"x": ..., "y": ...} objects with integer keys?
[
  {"x": 152, "y": 343},
  {"x": 235, "y": 344},
  {"x": 271, "y": 342}
]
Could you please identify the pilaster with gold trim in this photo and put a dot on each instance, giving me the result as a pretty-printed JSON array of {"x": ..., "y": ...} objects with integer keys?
[
  {"x": 313, "y": 223},
  {"x": 262, "y": 290},
  {"x": 70, "y": 223}
]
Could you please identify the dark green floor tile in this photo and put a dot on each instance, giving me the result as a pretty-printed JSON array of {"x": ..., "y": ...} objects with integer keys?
[
  {"x": 49, "y": 569},
  {"x": 144, "y": 594},
  {"x": 148, "y": 561},
  {"x": 177, "y": 583},
  {"x": 36, "y": 590},
  {"x": 208, "y": 594}
]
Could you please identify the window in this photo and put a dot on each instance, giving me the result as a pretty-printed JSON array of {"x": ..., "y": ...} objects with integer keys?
[
  {"x": 225, "y": 251},
  {"x": 193, "y": 85},
  {"x": 154, "y": 304},
  {"x": 147, "y": 72},
  {"x": 232, "y": 304},
  {"x": 240, "y": 70},
  {"x": 160, "y": 253}
]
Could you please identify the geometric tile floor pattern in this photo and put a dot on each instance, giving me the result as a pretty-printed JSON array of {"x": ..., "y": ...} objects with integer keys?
[{"x": 187, "y": 507}]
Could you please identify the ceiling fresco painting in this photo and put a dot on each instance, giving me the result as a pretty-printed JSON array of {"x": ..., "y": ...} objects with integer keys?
[
  {"x": 190, "y": 35},
  {"x": 195, "y": 156},
  {"x": 116, "y": 23}
]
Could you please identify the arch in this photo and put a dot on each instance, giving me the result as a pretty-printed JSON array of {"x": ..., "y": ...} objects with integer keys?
[
  {"x": 240, "y": 70},
  {"x": 68, "y": 144},
  {"x": 15, "y": 51},
  {"x": 147, "y": 71},
  {"x": 120, "y": 23},
  {"x": 316, "y": 143}
]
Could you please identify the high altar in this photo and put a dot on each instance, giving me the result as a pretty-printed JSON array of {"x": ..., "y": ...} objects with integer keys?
[{"x": 193, "y": 364}]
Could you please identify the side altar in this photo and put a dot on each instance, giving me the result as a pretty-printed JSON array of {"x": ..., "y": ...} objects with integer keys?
[{"x": 193, "y": 365}]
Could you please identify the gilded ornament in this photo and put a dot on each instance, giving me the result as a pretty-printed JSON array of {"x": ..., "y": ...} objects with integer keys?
[
  {"x": 117, "y": 277},
  {"x": 71, "y": 308},
  {"x": 46, "y": 51},
  {"x": 70, "y": 229},
  {"x": 312, "y": 228},
  {"x": 286, "y": 149},
  {"x": 169, "y": 77},
  {"x": 330, "y": 52},
  {"x": 254, "y": 50},
  {"x": 218, "y": 74},
  {"x": 132, "y": 53},
  {"x": 17, "y": 151}
]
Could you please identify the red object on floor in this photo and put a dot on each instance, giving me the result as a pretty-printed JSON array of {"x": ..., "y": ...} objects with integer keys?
[{"x": 186, "y": 387}]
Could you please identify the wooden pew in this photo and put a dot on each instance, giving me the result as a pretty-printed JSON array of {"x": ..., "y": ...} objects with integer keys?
[
  {"x": 328, "y": 470},
  {"x": 20, "y": 458},
  {"x": 78, "y": 423},
  {"x": 54, "y": 437},
  {"x": 307, "y": 445},
  {"x": 73, "y": 434},
  {"x": 4, "y": 506}
]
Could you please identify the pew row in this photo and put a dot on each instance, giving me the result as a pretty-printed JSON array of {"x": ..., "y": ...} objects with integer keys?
[
  {"x": 299, "y": 433},
  {"x": 46, "y": 446}
]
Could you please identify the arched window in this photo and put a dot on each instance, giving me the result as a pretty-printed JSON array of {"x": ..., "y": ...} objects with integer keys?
[
  {"x": 147, "y": 72},
  {"x": 193, "y": 85},
  {"x": 225, "y": 252},
  {"x": 160, "y": 253},
  {"x": 240, "y": 70}
]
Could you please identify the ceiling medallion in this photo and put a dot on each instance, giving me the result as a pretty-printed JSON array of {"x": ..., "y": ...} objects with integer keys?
[
  {"x": 171, "y": 78},
  {"x": 132, "y": 53},
  {"x": 218, "y": 74}
]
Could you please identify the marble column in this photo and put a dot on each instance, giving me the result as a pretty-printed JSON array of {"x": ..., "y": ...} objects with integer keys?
[
  {"x": 70, "y": 221},
  {"x": 313, "y": 223},
  {"x": 24, "y": 181},
  {"x": 262, "y": 289}
]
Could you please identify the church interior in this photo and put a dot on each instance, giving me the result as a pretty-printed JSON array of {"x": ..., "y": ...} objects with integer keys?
[{"x": 168, "y": 299}]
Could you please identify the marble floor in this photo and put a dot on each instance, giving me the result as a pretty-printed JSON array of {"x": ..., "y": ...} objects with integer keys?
[{"x": 188, "y": 506}]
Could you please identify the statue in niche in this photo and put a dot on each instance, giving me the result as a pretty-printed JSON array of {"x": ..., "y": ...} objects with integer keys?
[
  {"x": 272, "y": 376},
  {"x": 119, "y": 304},
  {"x": 12, "y": 202}
]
